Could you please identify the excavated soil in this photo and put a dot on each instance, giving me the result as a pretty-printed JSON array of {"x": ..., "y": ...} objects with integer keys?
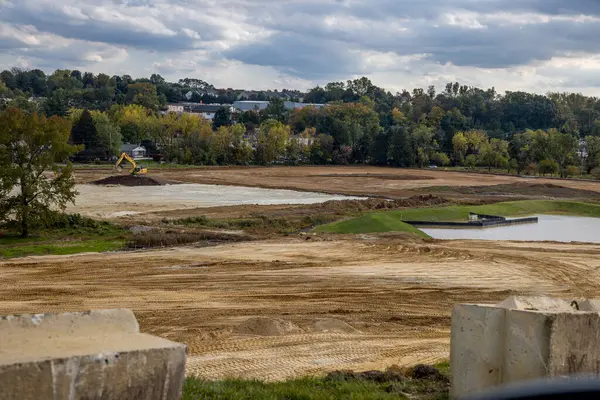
[
  {"x": 129, "y": 180},
  {"x": 267, "y": 327},
  {"x": 348, "y": 180},
  {"x": 291, "y": 307},
  {"x": 395, "y": 293},
  {"x": 525, "y": 189},
  {"x": 390, "y": 177}
]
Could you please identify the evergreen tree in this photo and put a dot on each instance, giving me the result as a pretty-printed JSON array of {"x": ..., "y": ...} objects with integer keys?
[
  {"x": 222, "y": 118},
  {"x": 84, "y": 133},
  {"x": 57, "y": 104}
]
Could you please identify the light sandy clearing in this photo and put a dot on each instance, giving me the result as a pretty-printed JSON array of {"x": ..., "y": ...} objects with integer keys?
[{"x": 112, "y": 201}]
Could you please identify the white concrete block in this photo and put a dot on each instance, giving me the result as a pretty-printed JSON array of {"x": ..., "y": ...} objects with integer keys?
[
  {"x": 91, "y": 355},
  {"x": 476, "y": 360},
  {"x": 539, "y": 303},
  {"x": 526, "y": 345},
  {"x": 592, "y": 305},
  {"x": 522, "y": 338}
]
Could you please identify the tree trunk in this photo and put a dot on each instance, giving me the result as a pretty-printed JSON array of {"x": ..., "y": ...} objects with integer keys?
[
  {"x": 24, "y": 220},
  {"x": 24, "y": 210}
]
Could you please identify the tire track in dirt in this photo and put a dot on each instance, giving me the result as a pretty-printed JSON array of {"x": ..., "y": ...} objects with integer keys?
[{"x": 398, "y": 293}]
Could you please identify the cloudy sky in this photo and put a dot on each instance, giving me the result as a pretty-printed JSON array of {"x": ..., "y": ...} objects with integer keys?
[{"x": 533, "y": 45}]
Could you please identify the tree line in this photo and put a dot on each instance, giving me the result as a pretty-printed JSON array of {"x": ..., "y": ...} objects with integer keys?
[
  {"x": 362, "y": 123},
  {"x": 341, "y": 133},
  {"x": 456, "y": 108}
]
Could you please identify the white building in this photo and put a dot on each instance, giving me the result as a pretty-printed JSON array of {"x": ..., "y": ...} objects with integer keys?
[{"x": 175, "y": 108}]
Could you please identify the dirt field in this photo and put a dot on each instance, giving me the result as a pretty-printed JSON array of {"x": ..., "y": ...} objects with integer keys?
[
  {"x": 357, "y": 303},
  {"x": 349, "y": 180},
  {"x": 303, "y": 304},
  {"x": 141, "y": 203}
]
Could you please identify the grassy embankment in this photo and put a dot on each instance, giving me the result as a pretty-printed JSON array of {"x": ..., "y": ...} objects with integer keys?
[
  {"x": 392, "y": 221},
  {"x": 63, "y": 234},
  {"x": 396, "y": 386}
]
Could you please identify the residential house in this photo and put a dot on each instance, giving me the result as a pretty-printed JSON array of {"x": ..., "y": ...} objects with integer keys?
[
  {"x": 207, "y": 111},
  {"x": 243, "y": 106},
  {"x": 290, "y": 105},
  {"x": 175, "y": 108},
  {"x": 139, "y": 152},
  {"x": 128, "y": 148},
  {"x": 247, "y": 105}
]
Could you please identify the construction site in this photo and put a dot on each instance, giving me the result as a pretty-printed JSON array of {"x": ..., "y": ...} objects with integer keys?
[{"x": 277, "y": 301}]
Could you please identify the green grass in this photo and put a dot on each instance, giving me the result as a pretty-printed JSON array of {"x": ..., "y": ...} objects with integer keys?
[
  {"x": 371, "y": 222},
  {"x": 392, "y": 221},
  {"x": 318, "y": 389},
  {"x": 307, "y": 388},
  {"x": 62, "y": 234},
  {"x": 58, "y": 248}
]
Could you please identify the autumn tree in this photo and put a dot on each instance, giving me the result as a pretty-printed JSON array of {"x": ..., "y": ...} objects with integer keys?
[
  {"x": 31, "y": 149},
  {"x": 273, "y": 136},
  {"x": 460, "y": 146},
  {"x": 222, "y": 145},
  {"x": 548, "y": 166},
  {"x": 494, "y": 154},
  {"x": 143, "y": 94},
  {"x": 592, "y": 148}
]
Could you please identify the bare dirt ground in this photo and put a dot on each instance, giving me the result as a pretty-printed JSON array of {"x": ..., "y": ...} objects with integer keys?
[
  {"x": 297, "y": 305},
  {"x": 348, "y": 180},
  {"x": 126, "y": 203},
  {"x": 333, "y": 303}
]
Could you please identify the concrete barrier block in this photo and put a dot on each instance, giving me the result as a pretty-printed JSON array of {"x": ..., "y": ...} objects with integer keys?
[
  {"x": 526, "y": 345},
  {"x": 522, "y": 338},
  {"x": 539, "y": 303},
  {"x": 592, "y": 305},
  {"x": 92, "y": 355},
  {"x": 475, "y": 357},
  {"x": 575, "y": 344}
]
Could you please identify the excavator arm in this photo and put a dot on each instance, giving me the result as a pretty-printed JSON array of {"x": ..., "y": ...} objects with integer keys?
[{"x": 134, "y": 170}]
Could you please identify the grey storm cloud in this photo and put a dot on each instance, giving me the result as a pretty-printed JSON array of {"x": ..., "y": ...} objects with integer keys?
[
  {"x": 497, "y": 44},
  {"x": 305, "y": 56},
  {"x": 317, "y": 39}
]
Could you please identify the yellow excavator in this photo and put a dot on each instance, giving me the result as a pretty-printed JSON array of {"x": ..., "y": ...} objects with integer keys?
[{"x": 136, "y": 170}]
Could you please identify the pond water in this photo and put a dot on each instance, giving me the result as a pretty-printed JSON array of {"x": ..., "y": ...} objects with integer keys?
[{"x": 557, "y": 228}]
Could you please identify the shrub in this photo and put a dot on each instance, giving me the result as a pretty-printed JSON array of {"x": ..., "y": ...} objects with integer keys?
[
  {"x": 531, "y": 169},
  {"x": 172, "y": 238},
  {"x": 596, "y": 172},
  {"x": 548, "y": 166},
  {"x": 512, "y": 165},
  {"x": 572, "y": 170},
  {"x": 440, "y": 159},
  {"x": 471, "y": 161}
]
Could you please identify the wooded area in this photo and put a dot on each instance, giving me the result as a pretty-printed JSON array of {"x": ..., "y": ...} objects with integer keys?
[{"x": 557, "y": 133}]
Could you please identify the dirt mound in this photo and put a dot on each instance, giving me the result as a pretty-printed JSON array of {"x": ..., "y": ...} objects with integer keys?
[
  {"x": 428, "y": 372},
  {"x": 261, "y": 326},
  {"x": 369, "y": 376},
  {"x": 379, "y": 204},
  {"x": 129, "y": 180},
  {"x": 331, "y": 325},
  {"x": 524, "y": 189},
  {"x": 392, "y": 374}
]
